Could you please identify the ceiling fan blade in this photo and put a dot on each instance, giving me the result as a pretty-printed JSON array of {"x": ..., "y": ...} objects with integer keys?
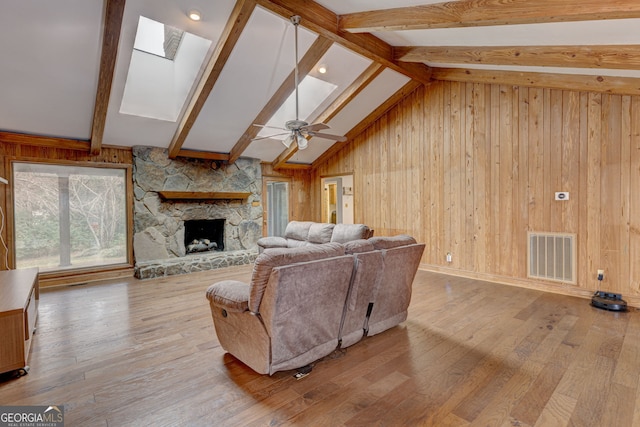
[
  {"x": 328, "y": 136},
  {"x": 269, "y": 136},
  {"x": 268, "y": 127},
  {"x": 315, "y": 127}
]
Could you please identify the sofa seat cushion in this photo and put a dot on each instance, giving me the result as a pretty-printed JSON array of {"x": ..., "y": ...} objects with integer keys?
[
  {"x": 343, "y": 233},
  {"x": 276, "y": 257},
  {"x": 231, "y": 295}
]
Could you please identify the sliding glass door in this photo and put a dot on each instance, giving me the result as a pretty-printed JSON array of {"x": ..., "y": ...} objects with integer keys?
[{"x": 277, "y": 212}]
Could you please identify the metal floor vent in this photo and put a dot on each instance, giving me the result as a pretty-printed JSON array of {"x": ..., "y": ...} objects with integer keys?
[{"x": 552, "y": 256}]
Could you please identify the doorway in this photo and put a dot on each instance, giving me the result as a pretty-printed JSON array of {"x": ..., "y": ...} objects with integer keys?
[{"x": 337, "y": 199}]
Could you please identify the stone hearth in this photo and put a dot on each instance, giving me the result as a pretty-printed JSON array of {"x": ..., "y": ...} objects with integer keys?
[{"x": 159, "y": 233}]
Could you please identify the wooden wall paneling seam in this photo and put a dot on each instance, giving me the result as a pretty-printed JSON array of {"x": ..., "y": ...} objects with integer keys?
[
  {"x": 427, "y": 217},
  {"x": 549, "y": 172},
  {"x": 523, "y": 181},
  {"x": 457, "y": 174},
  {"x": 582, "y": 199},
  {"x": 516, "y": 218},
  {"x": 611, "y": 198},
  {"x": 417, "y": 154},
  {"x": 625, "y": 194},
  {"x": 555, "y": 160},
  {"x": 634, "y": 202},
  {"x": 469, "y": 157},
  {"x": 505, "y": 195},
  {"x": 447, "y": 172},
  {"x": 594, "y": 202},
  {"x": 495, "y": 227},
  {"x": 479, "y": 184}
]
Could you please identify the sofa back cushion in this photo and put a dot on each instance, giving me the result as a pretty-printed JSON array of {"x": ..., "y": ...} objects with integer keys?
[
  {"x": 320, "y": 232},
  {"x": 343, "y": 233},
  {"x": 358, "y": 246},
  {"x": 277, "y": 257},
  {"x": 392, "y": 242},
  {"x": 298, "y": 230}
]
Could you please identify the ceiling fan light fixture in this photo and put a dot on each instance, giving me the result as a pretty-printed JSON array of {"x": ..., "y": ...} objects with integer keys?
[
  {"x": 302, "y": 142},
  {"x": 288, "y": 141}
]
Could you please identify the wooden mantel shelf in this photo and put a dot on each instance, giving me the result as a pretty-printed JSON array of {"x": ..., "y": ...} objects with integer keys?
[{"x": 203, "y": 195}]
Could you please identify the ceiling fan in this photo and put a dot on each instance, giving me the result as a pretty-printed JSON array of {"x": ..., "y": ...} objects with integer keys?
[{"x": 298, "y": 130}]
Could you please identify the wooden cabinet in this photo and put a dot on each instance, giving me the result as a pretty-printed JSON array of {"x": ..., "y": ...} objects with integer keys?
[{"x": 19, "y": 298}]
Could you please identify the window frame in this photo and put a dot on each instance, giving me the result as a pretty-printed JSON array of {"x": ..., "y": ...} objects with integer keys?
[{"x": 10, "y": 216}]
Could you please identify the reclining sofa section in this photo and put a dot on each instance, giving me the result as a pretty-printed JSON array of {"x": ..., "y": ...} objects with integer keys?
[{"x": 302, "y": 303}]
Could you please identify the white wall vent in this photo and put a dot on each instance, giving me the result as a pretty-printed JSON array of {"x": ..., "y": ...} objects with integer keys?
[{"x": 552, "y": 256}]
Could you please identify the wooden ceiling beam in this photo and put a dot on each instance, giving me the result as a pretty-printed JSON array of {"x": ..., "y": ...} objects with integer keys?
[
  {"x": 474, "y": 13},
  {"x": 624, "y": 57},
  {"x": 336, "y": 106},
  {"x": 44, "y": 141},
  {"x": 368, "y": 121},
  {"x": 325, "y": 23},
  {"x": 228, "y": 39},
  {"x": 604, "y": 84},
  {"x": 206, "y": 155},
  {"x": 114, "y": 10},
  {"x": 306, "y": 64}
]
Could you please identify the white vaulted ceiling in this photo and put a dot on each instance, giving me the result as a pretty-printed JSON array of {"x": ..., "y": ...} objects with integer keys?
[{"x": 53, "y": 83}]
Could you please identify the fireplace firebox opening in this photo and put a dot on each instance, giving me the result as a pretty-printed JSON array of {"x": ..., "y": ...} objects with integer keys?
[{"x": 201, "y": 235}]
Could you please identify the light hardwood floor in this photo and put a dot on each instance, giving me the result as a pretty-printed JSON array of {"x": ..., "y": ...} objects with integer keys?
[{"x": 138, "y": 353}]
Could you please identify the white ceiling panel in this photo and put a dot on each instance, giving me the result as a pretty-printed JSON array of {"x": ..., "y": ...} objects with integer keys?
[{"x": 49, "y": 71}]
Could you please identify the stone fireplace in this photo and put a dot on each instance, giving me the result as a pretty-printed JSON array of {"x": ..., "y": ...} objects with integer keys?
[{"x": 165, "y": 228}]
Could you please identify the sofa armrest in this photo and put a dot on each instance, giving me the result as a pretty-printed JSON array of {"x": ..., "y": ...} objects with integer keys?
[
  {"x": 231, "y": 295},
  {"x": 271, "y": 242}
]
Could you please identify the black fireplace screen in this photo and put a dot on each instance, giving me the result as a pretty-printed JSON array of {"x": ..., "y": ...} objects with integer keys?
[{"x": 202, "y": 235}]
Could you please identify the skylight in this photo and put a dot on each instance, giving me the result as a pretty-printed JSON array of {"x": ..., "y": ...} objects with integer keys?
[
  {"x": 157, "y": 38},
  {"x": 312, "y": 93},
  {"x": 165, "y": 62}
]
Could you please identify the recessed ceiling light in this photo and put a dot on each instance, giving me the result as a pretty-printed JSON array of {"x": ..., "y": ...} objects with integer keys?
[
  {"x": 322, "y": 69},
  {"x": 195, "y": 15}
]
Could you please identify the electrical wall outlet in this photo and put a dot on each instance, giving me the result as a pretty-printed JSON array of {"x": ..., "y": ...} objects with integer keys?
[
  {"x": 600, "y": 274},
  {"x": 448, "y": 256},
  {"x": 562, "y": 195}
]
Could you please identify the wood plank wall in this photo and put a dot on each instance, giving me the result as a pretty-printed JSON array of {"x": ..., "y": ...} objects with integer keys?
[
  {"x": 469, "y": 168},
  {"x": 24, "y": 151},
  {"x": 300, "y": 206}
]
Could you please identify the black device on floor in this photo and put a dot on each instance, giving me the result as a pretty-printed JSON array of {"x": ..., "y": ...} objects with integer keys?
[{"x": 608, "y": 301}]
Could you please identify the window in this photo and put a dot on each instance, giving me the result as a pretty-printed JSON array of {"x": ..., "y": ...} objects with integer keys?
[
  {"x": 69, "y": 216},
  {"x": 165, "y": 62}
]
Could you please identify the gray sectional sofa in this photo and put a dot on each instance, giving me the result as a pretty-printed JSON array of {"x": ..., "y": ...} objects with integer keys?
[
  {"x": 303, "y": 303},
  {"x": 304, "y": 233}
]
